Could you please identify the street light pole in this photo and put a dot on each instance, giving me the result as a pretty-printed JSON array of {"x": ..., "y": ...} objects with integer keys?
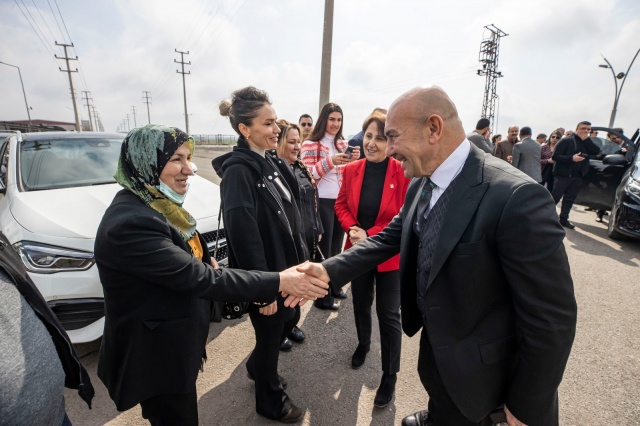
[
  {"x": 23, "y": 92},
  {"x": 621, "y": 76}
]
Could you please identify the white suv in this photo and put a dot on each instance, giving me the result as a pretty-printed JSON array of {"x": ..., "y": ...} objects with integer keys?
[{"x": 54, "y": 189}]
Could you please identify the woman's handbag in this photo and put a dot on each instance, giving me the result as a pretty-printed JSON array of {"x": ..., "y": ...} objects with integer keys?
[{"x": 227, "y": 310}]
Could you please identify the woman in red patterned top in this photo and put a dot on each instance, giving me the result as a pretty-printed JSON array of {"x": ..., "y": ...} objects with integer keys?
[{"x": 324, "y": 155}]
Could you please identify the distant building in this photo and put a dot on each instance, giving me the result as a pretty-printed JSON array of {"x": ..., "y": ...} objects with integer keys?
[{"x": 36, "y": 126}]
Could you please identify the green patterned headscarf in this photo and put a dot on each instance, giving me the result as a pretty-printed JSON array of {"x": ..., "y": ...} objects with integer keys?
[{"x": 145, "y": 152}]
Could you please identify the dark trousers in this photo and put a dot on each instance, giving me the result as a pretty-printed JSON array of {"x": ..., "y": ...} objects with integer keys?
[
  {"x": 332, "y": 238},
  {"x": 442, "y": 409},
  {"x": 262, "y": 365},
  {"x": 566, "y": 188},
  {"x": 387, "y": 287},
  {"x": 169, "y": 410}
]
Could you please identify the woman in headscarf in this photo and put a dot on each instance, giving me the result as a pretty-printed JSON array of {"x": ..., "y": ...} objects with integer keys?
[
  {"x": 260, "y": 198},
  {"x": 159, "y": 281}
]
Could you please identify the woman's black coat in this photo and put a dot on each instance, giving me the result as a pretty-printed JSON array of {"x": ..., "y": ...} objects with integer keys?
[
  {"x": 158, "y": 302},
  {"x": 263, "y": 231}
]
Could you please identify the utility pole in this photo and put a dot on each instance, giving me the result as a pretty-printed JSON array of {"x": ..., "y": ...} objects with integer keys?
[
  {"x": 69, "y": 71},
  {"x": 135, "y": 123},
  {"x": 88, "y": 105},
  {"x": 147, "y": 100},
  {"x": 184, "y": 87},
  {"x": 327, "y": 41},
  {"x": 128, "y": 124},
  {"x": 95, "y": 118},
  {"x": 488, "y": 57}
]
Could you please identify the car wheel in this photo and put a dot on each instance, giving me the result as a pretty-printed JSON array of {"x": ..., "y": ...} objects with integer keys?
[{"x": 611, "y": 229}]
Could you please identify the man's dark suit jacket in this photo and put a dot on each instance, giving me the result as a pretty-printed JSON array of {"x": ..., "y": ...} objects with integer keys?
[
  {"x": 158, "y": 301},
  {"x": 501, "y": 312}
]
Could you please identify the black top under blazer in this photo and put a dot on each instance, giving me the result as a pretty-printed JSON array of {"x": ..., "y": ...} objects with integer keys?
[
  {"x": 501, "y": 307},
  {"x": 158, "y": 302}
]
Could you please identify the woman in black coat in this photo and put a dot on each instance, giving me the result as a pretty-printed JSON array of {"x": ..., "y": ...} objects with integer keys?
[
  {"x": 260, "y": 209},
  {"x": 289, "y": 144},
  {"x": 159, "y": 281}
]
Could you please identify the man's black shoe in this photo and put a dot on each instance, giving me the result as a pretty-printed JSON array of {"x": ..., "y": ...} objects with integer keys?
[
  {"x": 385, "y": 392},
  {"x": 331, "y": 307},
  {"x": 567, "y": 224},
  {"x": 297, "y": 335},
  {"x": 286, "y": 345},
  {"x": 359, "y": 356},
  {"x": 340, "y": 294},
  {"x": 293, "y": 416},
  {"x": 416, "y": 419}
]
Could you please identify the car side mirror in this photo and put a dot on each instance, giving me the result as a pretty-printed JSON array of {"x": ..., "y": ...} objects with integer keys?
[{"x": 615, "y": 160}]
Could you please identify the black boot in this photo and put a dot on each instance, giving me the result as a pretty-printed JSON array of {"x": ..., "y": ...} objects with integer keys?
[
  {"x": 385, "y": 392},
  {"x": 359, "y": 356}
]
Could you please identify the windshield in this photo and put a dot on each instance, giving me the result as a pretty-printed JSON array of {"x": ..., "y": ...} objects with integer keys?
[{"x": 63, "y": 163}]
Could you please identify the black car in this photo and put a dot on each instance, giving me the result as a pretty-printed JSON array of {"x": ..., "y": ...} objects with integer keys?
[{"x": 613, "y": 184}]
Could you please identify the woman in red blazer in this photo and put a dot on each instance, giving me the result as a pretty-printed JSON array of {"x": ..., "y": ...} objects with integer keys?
[{"x": 372, "y": 192}]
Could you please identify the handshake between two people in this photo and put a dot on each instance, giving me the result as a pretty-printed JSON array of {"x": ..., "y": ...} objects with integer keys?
[{"x": 307, "y": 281}]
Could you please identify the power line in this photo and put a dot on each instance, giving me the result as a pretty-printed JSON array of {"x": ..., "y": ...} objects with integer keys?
[
  {"x": 43, "y": 20},
  {"x": 57, "y": 23},
  {"x": 34, "y": 29}
]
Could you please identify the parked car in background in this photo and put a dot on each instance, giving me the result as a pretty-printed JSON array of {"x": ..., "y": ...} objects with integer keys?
[
  {"x": 613, "y": 184},
  {"x": 54, "y": 190}
]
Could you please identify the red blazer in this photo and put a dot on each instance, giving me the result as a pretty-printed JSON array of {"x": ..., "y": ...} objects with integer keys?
[{"x": 393, "y": 194}]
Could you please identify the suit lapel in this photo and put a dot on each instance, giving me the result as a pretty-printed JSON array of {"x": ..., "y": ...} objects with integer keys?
[
  {"x": 388, "y": 189},
  {"x": 464, "y": 201},
  {"x": 407, "y": 220}
]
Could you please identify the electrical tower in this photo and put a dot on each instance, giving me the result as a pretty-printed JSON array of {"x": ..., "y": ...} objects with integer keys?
[
  {"x": 135, "y": 123},
  {"x": 488, "y": 57},
  {"x": 184, "y": 87},
  {"x": 147, "y": 100},
  {"x": 69, "y": 71}
]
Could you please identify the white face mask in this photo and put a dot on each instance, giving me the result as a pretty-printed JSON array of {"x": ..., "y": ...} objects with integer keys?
[{"x": 171, "y": 194}]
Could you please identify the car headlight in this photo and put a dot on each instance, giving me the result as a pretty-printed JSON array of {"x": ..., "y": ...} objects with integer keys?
[
  {"x": 633, "y": 186},
  {"x": 46, "y": 259}
]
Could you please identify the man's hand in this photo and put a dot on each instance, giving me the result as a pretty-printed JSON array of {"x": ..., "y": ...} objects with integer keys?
[
  {"x": 511, "y": 419},
  {"x": 214, "y": 263},
  {"x": 356, "y": 235},
  {"x": 315, "y": 270},
  {"x": 269, "y": 309},
  {"x": 296, "y": 284},
  {"x": 577, "y": 157},
  {"x": 509, "y": 158}
]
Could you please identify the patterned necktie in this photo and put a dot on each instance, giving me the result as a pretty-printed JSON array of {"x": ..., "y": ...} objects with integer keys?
[{"x": 422, "y": 208}]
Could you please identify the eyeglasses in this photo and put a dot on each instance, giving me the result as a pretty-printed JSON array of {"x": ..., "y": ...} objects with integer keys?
[
  {"x": 554, "y": 137},
  {"x": 306, "y": 124}
]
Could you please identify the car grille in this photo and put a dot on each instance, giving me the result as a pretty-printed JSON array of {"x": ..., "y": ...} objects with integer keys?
[
  {"x": 210, "y": 238},
  {"x": 77, "y": 313},
  {"x": 629, "y": 218}
]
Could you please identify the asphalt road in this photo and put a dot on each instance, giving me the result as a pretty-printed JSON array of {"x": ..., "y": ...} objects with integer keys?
[{"x": 601, "y": 384}]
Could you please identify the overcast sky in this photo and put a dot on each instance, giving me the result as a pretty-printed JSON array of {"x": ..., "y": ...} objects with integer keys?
[{"x": 380, "y": 50}]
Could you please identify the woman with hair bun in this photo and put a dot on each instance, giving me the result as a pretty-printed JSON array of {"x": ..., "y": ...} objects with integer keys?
[{"x": 260, "y": 198}]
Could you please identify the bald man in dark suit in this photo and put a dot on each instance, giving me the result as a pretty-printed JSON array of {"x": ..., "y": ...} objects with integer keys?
[{"x": 483, "y": 269}]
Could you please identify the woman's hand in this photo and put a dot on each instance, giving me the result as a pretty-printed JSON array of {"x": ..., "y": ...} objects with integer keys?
[
  {"x": 340, "y": 159},
  {"x": 357, "y": 235},
  {"x": 356, "y": 154},
  {"x": 269, "y": 309}
]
